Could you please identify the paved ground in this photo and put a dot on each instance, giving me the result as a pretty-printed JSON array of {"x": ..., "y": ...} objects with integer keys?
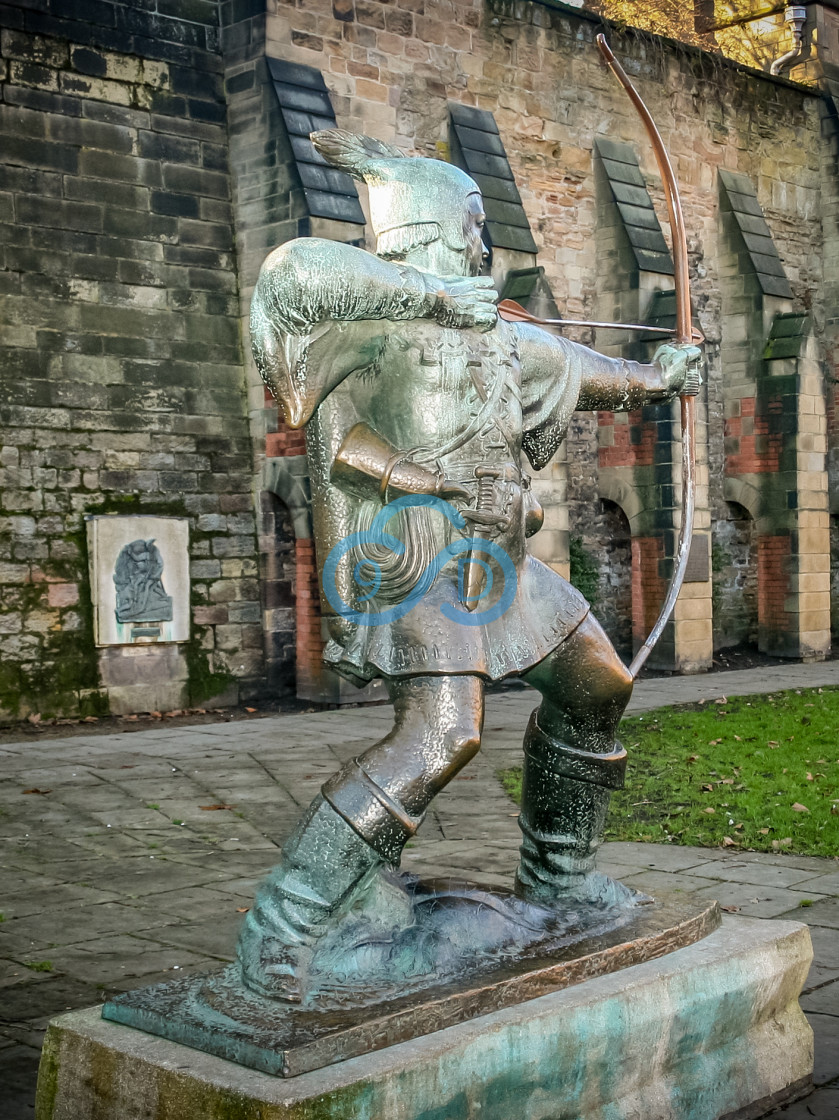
[{"x": 128, "y": 858}]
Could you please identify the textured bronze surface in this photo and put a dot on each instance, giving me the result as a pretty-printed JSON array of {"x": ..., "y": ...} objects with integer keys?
[{"x": 216, "y": 1014}]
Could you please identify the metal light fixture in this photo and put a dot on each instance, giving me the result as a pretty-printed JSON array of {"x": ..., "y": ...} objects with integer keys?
[{"x": 796, "y": 16}]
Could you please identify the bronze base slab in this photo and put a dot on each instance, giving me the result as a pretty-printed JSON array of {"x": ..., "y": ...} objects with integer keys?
[{"x": 216, "y": 1014}]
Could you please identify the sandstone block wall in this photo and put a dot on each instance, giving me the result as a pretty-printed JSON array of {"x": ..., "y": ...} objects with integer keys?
[{"x": 393, "y": 68}]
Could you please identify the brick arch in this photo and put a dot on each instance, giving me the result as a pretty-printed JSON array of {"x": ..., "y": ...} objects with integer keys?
[
  {"x": 625, "y": 496},
  {"x": 649, "y": 578},
  {"x": 736, "y": 571},
  {"x": 775, "y": 565},
  {"x": 614, "y": 599},
  {"x": 745, "y": 494}
]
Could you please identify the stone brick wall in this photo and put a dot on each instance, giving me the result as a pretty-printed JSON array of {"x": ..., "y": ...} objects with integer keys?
[
  {"x": 121, "y": 369},
  {"x": 392, "y": 69},
  {"x": 143, "y": 148}
]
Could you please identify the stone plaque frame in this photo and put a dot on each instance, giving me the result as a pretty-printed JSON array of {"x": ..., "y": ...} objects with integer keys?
[{"x": 107, "y": 537}]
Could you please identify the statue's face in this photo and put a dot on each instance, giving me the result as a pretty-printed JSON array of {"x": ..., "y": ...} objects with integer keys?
[{"x": 473, "y": 228}]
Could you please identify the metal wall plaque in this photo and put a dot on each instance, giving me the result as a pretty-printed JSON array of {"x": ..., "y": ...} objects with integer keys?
[
  {"x": 139, "y": 578},
  {"x": 698, "y": 567}
]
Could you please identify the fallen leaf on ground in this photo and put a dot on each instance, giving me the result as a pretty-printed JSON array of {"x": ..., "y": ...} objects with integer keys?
[
  {"x": 714, "y": 742},
  {"x": 763, "y": 831},
  {"x": 809, "y": 776},
  {"x": 727, "y": 842},
  {"x": 737, "y": 737},
  {"x": 799, "y": 808},
  {"x": 213, "y": 808},
  {"x": 722, "y": 700},
  {"x": 250, "y": 709},
  {"x": 37, "y": 791},
  {"x": 708, "y": 787},
  {"x": 726, "y": 781},
  {"x": 709, "y": 810},
  {"x": 242, "y": 909},
  {"x": 731, "y": 909},
  {"x": 693, "y": 758},
  {"x": 773, "y": 743}
]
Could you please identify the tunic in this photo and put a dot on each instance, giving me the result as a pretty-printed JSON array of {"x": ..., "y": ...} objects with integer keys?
[{"x": 461, "y": 400}]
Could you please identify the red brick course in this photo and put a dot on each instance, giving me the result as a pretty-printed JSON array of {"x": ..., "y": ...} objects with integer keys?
[
  {"x": 773, "y": 584},
  {"x": 624, "y": 452},
  {"x": 648, "y": 586},
  {"x": 307, "y": 610},
  {"x": 285, "y": 442},
  {"x": 747, "y": 459}
]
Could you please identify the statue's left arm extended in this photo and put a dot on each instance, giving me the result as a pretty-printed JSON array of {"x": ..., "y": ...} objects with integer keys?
[{"x": 560, "y": 377}]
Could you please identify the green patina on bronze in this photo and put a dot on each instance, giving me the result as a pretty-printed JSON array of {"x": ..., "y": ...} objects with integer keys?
[{"x": 420, "y": 403}]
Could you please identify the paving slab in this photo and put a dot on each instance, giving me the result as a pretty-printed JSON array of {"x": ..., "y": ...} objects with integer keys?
[
  {"x": 825, "y": 912},
  {"x": 821, "y": 1105},
  {"x": 824, "y": 1000},
  {"x": 658, "y": 857},
  {"x": 826, "y": 1032},
  {"x": 18, "y": 1073},
  {"x": 761, "y": 902},
  {"x": 761, "y": 874}
]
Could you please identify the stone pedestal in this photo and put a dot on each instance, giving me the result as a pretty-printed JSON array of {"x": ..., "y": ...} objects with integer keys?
[{"x": 710, "y": 1031}]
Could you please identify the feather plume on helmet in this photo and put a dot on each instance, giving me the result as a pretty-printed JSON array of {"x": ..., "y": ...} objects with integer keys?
[{"x": 413, "y": 200}]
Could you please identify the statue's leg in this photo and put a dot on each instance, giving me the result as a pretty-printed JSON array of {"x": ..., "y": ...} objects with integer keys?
[
  {"x": 362, "y": 819},
  {"x": 572, "y": 763}
]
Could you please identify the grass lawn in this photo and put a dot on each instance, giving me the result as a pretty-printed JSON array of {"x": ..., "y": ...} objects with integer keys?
[{"x": 755, "y": 772}]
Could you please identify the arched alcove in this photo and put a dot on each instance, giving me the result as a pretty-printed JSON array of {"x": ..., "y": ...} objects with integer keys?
[
  {"x": 735, "y": 578},
  {"x": 610, "y": 540},
  {"x": 277, "y": 572}
]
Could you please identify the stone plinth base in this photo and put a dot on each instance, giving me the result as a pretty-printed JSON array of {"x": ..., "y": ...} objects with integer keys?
[{"x": 713, "y": 1030}]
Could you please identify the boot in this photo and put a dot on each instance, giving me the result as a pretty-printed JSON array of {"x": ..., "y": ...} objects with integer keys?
[
  {"x": 346, "y": 835},
  {"x": 565, "y": 797}
]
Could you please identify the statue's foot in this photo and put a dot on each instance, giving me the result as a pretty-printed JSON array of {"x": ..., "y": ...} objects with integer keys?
[
  {"x": 592, "y": 888},
  {"x": 609, "y": 894},
  {"x": 273, "y": 967}
]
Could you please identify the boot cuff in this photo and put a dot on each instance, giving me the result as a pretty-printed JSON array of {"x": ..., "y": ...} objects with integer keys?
[
  {"x": 374, "y": 815},
  {"x": 556, "y": 757}
]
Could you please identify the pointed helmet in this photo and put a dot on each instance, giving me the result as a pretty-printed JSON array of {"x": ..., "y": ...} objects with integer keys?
[{"x": 404, "y": 191}]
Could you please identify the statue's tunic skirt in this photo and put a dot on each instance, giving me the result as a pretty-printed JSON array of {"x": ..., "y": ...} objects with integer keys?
[{"x": 545, "y": 611}]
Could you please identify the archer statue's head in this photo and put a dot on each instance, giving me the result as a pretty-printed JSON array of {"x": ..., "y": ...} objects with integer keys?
[{"x": 422, "y": 209}]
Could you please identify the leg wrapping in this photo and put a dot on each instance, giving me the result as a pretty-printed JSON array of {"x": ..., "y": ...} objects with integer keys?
[
  {"x": 376, "y": 816},
  {"x": 565, "y": 798}
]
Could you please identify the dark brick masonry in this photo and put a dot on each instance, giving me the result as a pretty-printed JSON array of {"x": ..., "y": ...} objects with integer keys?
[{"x": 122, "y": 376}]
